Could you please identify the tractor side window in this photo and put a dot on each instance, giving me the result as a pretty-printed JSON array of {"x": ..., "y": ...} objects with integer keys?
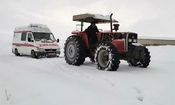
[{"x": 23, "y": 36}]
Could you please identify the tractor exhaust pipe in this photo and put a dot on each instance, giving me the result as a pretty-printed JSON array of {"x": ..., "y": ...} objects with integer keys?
[
  {"x": 111, "y": 22},
  {"x": 81, "y": 26}
]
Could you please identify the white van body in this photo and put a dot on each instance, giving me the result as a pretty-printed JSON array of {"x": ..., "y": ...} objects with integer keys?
[{"x": 35, "y": 40}]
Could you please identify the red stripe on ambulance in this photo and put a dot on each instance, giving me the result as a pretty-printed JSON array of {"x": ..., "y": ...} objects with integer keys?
[{"x": 20, "y": 44}]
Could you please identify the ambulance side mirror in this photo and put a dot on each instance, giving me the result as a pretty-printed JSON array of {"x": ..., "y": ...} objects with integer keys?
[{"x": 58, "y": 40}]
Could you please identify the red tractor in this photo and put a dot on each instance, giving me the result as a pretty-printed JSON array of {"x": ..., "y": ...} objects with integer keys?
[{"x": 112, "y": 46}]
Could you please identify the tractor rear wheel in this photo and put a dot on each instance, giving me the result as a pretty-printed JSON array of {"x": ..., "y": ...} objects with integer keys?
[
  {"x": 74, "y": 51},
  {"x": 107, "y": 57}
]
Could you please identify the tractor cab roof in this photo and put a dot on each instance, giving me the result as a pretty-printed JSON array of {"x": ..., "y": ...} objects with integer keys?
[{"x": 89, "y": 18}]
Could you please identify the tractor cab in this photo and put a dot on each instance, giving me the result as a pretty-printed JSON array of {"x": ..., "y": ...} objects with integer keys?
[{"x": 93, "y": 18}]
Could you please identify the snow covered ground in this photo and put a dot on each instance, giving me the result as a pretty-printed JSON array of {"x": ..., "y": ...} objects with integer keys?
[{"x": 50, "y": 81}]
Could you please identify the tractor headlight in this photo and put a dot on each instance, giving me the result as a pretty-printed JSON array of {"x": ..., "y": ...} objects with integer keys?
[
  {"x": 130, "y": 40},
  {"x": 134, "y": 40}
]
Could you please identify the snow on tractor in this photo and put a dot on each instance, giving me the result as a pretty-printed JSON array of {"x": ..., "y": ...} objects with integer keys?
[{"x": 111, "y": 47}]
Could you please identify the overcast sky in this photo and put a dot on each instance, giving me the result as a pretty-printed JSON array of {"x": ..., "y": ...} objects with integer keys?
[{"x": 146, "y": 17}]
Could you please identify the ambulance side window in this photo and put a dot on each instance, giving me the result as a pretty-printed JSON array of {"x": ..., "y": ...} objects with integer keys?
[
  {"x": 23, "y": 36},
  {"x": 30, "y": 39}
]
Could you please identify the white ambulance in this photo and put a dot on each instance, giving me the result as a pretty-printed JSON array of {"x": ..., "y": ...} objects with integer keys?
[{"x": 35, "y": 40}]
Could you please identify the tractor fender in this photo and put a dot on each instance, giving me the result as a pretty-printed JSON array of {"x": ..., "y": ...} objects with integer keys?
[{"x": 84, "y": 37}]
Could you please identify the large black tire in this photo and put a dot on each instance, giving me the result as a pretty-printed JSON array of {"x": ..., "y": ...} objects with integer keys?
[
  {"x": 107, "y": 57},
  {"x": 145, "y": 62},
  {"x": 74, "y": 50},
  {"x": 133, "y": 62},
  {"x": 16, "y": 52}
]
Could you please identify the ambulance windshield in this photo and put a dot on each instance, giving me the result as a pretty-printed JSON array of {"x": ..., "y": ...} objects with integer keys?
[{"x": 46, "y": 36}]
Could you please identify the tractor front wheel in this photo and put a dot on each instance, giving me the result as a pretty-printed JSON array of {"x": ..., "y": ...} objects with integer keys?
[
  {"x": 143, "y": 60},
  {"x": 146, "y": 60},
  {"x": 107, "y": 57}
]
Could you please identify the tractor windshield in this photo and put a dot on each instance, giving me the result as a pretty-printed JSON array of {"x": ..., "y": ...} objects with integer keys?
[{"x": 46, "y": 36}]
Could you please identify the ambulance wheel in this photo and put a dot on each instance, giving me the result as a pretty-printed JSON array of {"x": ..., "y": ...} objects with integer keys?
[
  {"x": 34, "y": 54},
  {"x": 16, "y": 52}
]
